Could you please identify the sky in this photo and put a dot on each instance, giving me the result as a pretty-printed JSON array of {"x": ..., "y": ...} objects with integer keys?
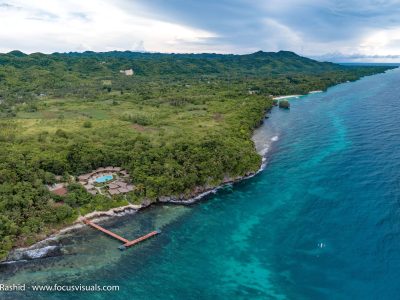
[{"x": 332, "y": 30}]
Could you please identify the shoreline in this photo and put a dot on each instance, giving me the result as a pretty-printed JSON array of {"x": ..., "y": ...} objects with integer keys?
[
  {"x": 296, "y": 96},
  {"x": 46, "y": 248},
  {"x": 286, "y": 97},
  {"x": 98, "y": 216},
  {"x": 30, "y": 252}
]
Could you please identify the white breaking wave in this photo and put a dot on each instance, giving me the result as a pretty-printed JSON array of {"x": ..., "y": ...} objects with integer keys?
[
  {"x": 275, "y": 138},
  {"x": 264, "y": 151},
  {"x": 38, "y": 253},
  {"x": 286, "y": 97},
  {"x": 9, "y": 262}
]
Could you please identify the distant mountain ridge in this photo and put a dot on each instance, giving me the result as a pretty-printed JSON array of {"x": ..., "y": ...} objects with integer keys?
[
  {"x": 24, "y": 77},
  {"x": 258, "y": 63}
]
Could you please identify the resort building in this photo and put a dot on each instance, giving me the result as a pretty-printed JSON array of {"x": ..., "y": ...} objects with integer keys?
[
  {"x": 106, "y": 180},
  {"x": 58, "y": 189},
  {"x": 127, "y": 72}
]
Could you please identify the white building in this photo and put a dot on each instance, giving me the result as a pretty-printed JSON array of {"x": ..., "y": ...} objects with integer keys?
[{"x": 127, "y": 72}]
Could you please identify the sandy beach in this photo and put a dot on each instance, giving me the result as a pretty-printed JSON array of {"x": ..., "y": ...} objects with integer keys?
[{"x": 286, "y": 97}]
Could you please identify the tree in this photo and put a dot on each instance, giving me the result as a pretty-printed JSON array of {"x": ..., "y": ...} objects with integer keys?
[
  {"x": 284, "y": 104},
  {"x": 87, "y": 124}
]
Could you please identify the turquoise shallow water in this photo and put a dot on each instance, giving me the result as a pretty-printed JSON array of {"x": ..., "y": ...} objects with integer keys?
[
  {"x": 104, "y": 178},
  {"x": 320, "y": 222}
]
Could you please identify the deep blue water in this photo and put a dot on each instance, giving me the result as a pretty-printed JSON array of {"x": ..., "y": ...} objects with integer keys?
[{"x": 322, "y": 221}]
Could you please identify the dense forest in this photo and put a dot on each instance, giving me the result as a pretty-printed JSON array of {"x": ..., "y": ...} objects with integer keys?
[{"x": 180, "y": 122}]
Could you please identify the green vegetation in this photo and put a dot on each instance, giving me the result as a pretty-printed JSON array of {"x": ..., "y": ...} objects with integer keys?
[
  {"x": 284, "y": 104},
  {"x": 182, "y": 121}
]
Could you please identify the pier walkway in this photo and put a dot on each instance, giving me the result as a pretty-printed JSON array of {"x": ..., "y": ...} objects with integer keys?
[{"x": 127, "y": 243}]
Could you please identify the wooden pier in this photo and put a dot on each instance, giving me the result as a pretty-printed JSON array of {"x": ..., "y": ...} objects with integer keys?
[{"x": 127, "y": 243}]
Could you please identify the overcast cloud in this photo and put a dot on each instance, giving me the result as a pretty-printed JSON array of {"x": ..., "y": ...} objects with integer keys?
[{"x": 352, "y": 30}]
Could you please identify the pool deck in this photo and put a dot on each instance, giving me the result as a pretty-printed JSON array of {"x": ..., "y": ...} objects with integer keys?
[{"x": 114, "y": 180}]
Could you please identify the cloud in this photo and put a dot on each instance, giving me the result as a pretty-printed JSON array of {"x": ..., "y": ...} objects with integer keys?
[
  {"x": 357, "y": 57},
  {"x": 4, "y": 5},
  {"x": 97, "y": 25},
  {"x": 79, "y": 15},
  {"x": 308, "y": 27}
]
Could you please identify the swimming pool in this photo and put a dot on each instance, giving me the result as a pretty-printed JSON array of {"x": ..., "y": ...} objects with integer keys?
[{"x": 104, "y": 178}]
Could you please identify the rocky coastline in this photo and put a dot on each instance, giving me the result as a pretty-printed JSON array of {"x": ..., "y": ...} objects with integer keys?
[{"x": 51, "y": 247}]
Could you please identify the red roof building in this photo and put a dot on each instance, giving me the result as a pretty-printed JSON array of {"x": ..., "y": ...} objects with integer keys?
[{"x": 60, "y": 191}]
